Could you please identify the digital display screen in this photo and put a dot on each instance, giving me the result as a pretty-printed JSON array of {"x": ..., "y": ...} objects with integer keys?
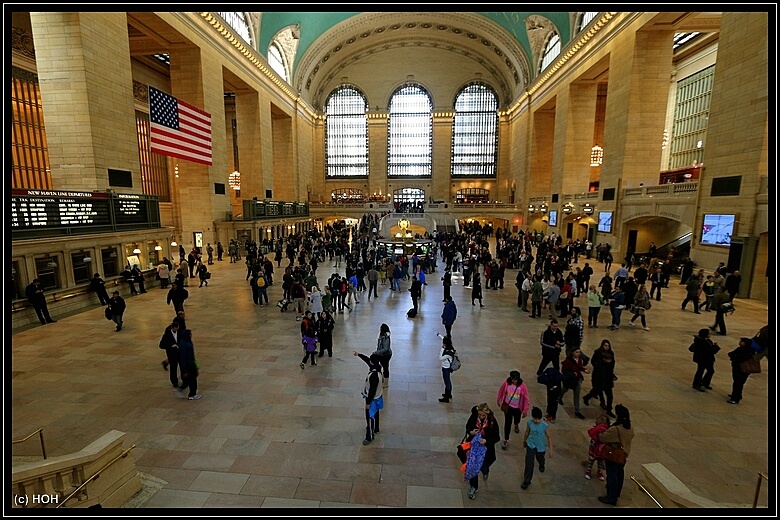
[
  {"x": 130, "y": 209},
  {"x": 605, "y": 221},
  {"x": 553, "y": 217},
  {"x": 36, "y": 209},
  {"x": 717, "y": 229}
]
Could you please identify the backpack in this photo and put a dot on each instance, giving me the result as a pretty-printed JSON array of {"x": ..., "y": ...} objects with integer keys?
[
  {"x": 571, "y": 334},
  {"x": 261, "y": 281},
  {"x": 455, "y": 363}
]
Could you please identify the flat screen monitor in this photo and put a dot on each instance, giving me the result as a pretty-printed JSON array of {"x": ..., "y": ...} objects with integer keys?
[
  {"x": 717, "y": 229},
  {"x": 605, "y": 222},
  {"x": 553, "y": 217}
]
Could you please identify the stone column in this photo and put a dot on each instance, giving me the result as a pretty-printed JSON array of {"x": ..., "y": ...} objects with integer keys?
[
  {"x": 250, "y": 150},
  {"x": 639, "y": 68},
  {"x": 575, "y": 121},
  {"x": 196, "y": 78},
  {"x": 542, "y": 144},
  {"x": 83, "y": 62},
  {"x": 377, "y": 156},
  {"x": 441, "y": 168}
]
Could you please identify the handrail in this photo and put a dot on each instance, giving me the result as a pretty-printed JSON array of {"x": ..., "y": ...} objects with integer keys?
[
  {"x": 761, "y": 475},
  {"x": 39, "y": 431},
  {"x": 96, "y": 475},
  {"x": 643, "y": 488}
]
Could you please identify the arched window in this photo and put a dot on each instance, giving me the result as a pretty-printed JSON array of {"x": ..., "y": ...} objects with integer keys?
[
  {"x": 410, "y": 133},
  {"x": 585, "y": 19},
  {"x": 472, "y": 196},
  {"x": 346, "y": 133},
  {"x": 475, "y": 132},
  {"x": 276, "y": 60},
  {"x": 239, "y": 23},
  {"x": 551, "y": 50}
]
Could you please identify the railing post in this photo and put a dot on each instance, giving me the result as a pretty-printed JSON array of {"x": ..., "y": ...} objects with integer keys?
[
  {"x": 43, "y": 447},
  {"x": 758, "y": 488}
]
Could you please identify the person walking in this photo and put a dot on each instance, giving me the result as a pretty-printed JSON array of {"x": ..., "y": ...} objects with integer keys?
[
  {"x": 595, "y": 447},
  {"x": 619, "y": 434},
  {"x": 98, "y": 286},
  {"x": 203, "y": 274},
  {"x": 372, "y": 395},
  {"x": 325, "y": 326},
  {"x": 641, "y": 305},
  {"x": 656, "y": 283},
  {"x": 315, "y": 299},
  {"x": 482, "y": 422},
  {"x": 448, "y": 315},
  {"x": 373, "y": 278},
  {"x": 525, "y": 291},
  {"x": 537, "y": 293},
  {"x": 476, "y": 291},
  {"x": 595, "y": 301},
  {"x": 164, "y": 275},
  {"x": 573, "y": 368},
  {"x": 513, "y": 400},
  {"x": 189, "y": 366},
  {"x": 416, "y": 292},
  {"x": 732, "y": 284},
  {"x": 719, "y": 302},
  {"x": 169, "y": 342},
  {"x": 177, "y": 295},
  {"x": 552, "y": 343},
  {"x": 446, "y": 355},
  {"x": 447, "y": 283},
  {"x": 691, "y": 294},
  {"x": 616, "y": 306},
  {"x": 537, "y": 443},
  {"x": 602, "y": 377},
  {"x": 383, "y": 350},
  {"x": 709, "y": 289},
  {"x": 704, "y": 350},
  {"x": 743, "y": 352},
  {"x": 117, "y": 308}
]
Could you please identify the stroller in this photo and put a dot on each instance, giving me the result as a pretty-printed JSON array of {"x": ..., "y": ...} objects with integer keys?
[{"x": 282, "y": 304}]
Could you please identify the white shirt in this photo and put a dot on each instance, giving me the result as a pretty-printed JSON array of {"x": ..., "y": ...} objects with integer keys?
[{"x": 445, "y": 359}]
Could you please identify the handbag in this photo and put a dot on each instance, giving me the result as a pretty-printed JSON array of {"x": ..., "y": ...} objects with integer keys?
[
  {"x": 505, "y": 405},
  {"x": 107, "y": 312},
  {"x": 463, "y": 449},
  {"x": 616, "y": 455},
  {"x": 750, "y": 366}
]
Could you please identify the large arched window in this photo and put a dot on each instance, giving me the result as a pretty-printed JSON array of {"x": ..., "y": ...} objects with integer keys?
[
  {"x": 346, "y": 133},
  {"x": 475, "y": 132},
  {"x": 551, "y": 50},
  {"x": 276, "y": 60},
  {"x": 410, "y": 133},
  {"x": 585, "y": 19},
  {"x": 239, "y": 23}
]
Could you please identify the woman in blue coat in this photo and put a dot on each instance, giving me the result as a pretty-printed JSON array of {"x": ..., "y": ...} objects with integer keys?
[{"x": 188, "y": 366}]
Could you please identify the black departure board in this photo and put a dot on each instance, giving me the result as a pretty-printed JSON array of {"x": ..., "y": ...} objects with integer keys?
[
  {"x": 130, "y": 209},
  {"x": 37, "y": 209}
]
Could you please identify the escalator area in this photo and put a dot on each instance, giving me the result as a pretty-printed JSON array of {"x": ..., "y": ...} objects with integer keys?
[{"x": 680, "y": 249}]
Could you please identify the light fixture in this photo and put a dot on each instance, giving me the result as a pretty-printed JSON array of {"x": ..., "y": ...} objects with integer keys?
[
  {"x": 158, "y": 247},
  {"x": 51, "y": 263},
  {"x": 234, "y": 180},
  {"x": 531, "y": 208},
  {"x": 136, "y": 251},
  {"x": 112, "y": 254},
  {"x": 596, "y": 155},
  {"x": 543, "y": 208},
  {"x": 87, "y": 259},
  {"x": 568, "y": 208},
  {"x": 173, "y": 243},
  {"x": 587, "y": 208}
]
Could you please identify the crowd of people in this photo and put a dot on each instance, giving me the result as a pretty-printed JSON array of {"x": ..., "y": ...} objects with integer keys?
[{"x": 546, "y": 277}]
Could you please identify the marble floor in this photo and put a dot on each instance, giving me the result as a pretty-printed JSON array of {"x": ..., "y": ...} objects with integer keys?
[{"x": 268, "y": 434}]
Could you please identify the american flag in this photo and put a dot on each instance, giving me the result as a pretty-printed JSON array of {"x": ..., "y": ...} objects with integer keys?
[{"x": 179, "y": 129}]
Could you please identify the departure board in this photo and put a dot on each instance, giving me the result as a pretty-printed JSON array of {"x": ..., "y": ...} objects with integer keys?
[
  {"x": 130, "y": 209},
  {"x": 38, "y": 209}
]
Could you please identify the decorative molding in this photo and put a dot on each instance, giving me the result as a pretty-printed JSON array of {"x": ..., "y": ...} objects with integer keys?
[
  {"x": 24, "y": 75},
  {"x": 22, "y": 42},
  {"x": 140, "y": 92}
]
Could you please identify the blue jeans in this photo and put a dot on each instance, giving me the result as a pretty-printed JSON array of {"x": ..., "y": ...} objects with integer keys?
[
  {"x": 118, "y": 320},
  {"x": 616, "y": 316},
  {"x": 446, "y": 374}
]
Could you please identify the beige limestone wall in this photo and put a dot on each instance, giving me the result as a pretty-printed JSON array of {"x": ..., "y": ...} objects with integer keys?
[
  {"x": 83, "y": 62},
  {"x": 250, "y": 137}
]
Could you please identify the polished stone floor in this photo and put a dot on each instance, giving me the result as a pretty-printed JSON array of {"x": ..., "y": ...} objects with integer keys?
[{"x": 268, "y": 434}]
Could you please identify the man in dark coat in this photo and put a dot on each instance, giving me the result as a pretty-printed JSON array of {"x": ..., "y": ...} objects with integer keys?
[
  {"x": 117, "y": 305},
  {"x": 98, "y": 286},
  {"x": 704, "y": 350},
  {"x": 448, "y": 315},
  {"x": 177, "y": 295},
  {"x": 732, "y": 284},
  {"x": 169, "y": 342},
  {"x": 34, "y": 293},
  {"x": 416, "y": 291}
]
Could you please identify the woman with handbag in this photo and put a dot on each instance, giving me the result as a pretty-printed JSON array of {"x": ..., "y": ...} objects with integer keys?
[
  {"x": 704, "y": 350},
  {"x": 514, "y": 402},
  {"x": 741, "y": 357},
  {"x": 483, "y": 422},
  {"x": 641, "y": 305},
  {"x": 618, "y": 439}
]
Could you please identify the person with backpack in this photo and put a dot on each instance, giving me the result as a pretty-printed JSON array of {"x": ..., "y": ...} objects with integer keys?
[
  {"x": 298, "y": 294},
  {"x": 574, "y": 331},
  {"x": 372, "y": 395},
  {"x": 383, "y": 350},
  {"x": 447, "y": 357}
]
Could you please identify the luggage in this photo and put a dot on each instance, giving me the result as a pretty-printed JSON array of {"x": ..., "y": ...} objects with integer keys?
[
  {"x": 282, "y": 304},
  {"x": 411, "y": 313}
]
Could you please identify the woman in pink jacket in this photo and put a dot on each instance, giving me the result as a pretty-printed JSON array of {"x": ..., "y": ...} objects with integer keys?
[{"x": 514, "y": 402}]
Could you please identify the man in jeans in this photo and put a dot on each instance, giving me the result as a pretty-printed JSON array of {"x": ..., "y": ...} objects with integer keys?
[{"x": 552, "y": 343}]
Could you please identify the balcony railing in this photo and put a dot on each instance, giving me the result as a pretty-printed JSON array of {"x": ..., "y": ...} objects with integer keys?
[{"x": 683, "y": 188}]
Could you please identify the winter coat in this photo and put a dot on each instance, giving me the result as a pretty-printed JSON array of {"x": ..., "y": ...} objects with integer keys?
[{"x": 704, "y": 350}]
